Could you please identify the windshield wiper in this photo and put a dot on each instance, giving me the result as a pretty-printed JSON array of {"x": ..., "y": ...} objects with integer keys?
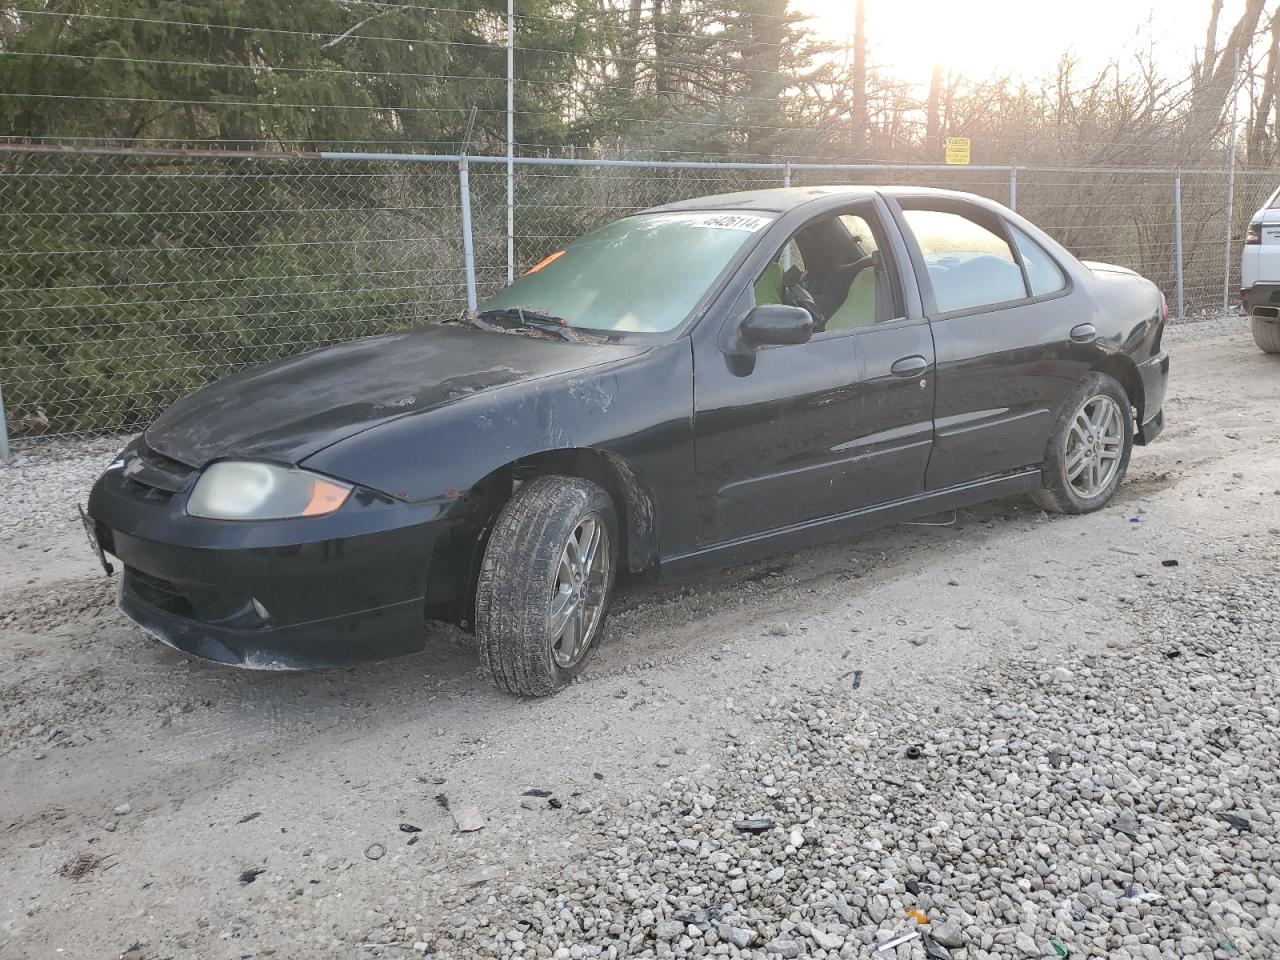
[{"x": 516, "y": 317}]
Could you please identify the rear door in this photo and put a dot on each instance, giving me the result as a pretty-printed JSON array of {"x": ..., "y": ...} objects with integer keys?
[
  {"x": 786, "y": 435},
  {"x": 1002, "y": 327}
]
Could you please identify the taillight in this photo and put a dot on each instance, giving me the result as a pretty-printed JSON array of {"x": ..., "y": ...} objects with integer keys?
[
  {"x": 1253, "y": 234},
  {"x": 1164, "y": 309}
]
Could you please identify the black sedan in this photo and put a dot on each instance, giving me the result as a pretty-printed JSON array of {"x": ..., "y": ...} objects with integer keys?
[{"x": 699, "y": 384}]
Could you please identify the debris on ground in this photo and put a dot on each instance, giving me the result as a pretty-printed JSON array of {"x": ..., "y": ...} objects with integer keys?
[
  {"x": 82, "y": 865},
  {"x": 1235, "y": 822},
  {"x": 933, "y": 948},
  {"x": 375, "y": 851},
  {"x": 468, "y": 819},
  {"x": 897, "y": 941},
  {"x": 252, "y": 874}
]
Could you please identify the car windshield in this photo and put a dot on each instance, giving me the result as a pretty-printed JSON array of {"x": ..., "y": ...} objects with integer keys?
[{"x": 641, "y": 274}]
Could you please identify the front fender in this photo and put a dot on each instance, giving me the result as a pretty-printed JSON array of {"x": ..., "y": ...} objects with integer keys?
[{"x": 639, "y": 410}]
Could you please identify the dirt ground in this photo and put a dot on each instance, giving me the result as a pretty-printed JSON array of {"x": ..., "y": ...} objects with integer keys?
[{"x": 137, "y": 786}]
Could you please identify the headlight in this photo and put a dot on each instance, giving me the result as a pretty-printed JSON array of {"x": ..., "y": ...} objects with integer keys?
[{"x": 245, "y": 490}]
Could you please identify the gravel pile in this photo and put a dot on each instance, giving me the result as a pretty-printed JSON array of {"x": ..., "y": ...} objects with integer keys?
[
  {"x": 1122, "y": 805},
  {"x": 1200, "y": 326},
  {"x": 45, "y": 481}
]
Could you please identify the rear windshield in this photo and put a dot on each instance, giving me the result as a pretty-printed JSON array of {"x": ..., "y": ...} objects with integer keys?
[{"x": 642, "y": 274}]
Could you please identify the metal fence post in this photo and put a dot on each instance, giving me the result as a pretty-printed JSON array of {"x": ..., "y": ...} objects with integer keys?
[
  {"x": 511, "y": 149},
  {"x": 1177, "y": 240},
  {"x": 786, "y": 174},
  {"x": 5, "y": 454},
  {"x": 1013, "y": 188},
  {"x": 468, "y": 253},
  {"x": 1231, "y": 186}
]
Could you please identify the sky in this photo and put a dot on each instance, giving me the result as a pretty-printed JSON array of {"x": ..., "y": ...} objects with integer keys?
[{"x": 979, "y": 38}]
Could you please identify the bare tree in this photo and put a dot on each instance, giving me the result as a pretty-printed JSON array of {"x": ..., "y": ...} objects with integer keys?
[
  {"x": 1215, "y": 84},
  {"x": 932, "y": 127},
  {"x": 858, "y": 99},
  {"x": 1258, "y": 138}
]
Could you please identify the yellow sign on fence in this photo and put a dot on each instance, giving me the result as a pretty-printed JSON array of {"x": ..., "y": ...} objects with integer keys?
[{"x": 958, "y": 150}]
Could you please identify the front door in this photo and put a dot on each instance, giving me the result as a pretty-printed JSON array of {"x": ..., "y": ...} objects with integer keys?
[{"x": 785, "y": 435}]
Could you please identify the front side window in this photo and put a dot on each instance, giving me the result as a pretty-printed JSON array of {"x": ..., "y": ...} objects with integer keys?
[
  {"x": 642, "y": 274},
  {"x": 969, "y": 265},
  {"x": 1044, "y": 275},
  {"x": 832, "y": 267}
]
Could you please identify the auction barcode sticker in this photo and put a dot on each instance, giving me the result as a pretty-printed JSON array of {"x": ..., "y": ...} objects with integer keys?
[{"x": 735, "y": 221}]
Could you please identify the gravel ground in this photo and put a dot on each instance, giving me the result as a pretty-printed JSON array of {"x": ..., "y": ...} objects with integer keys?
[
  {"x": 46, "y": 479},
  {"x": 1009, "y": 735},
  {"x": 1123, "y": 804}
]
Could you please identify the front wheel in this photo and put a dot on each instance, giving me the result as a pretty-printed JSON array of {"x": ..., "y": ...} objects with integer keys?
[
  {"x": 545, "y": 583},
  {"x": 1089, "y": 448}
]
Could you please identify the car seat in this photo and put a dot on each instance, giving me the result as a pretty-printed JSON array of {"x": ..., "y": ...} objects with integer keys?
[
  {"x": 859, "y": 307},
  {"x": 768, "y": 288}
]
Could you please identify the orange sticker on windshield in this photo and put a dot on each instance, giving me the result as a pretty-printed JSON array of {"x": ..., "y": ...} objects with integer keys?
[{"x": 542, "y": 263}]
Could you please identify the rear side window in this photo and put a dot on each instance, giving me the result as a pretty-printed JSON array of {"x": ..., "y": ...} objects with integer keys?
[
  {"x": 969, "y": 265},
  {"x": 1043, "y": 273}
]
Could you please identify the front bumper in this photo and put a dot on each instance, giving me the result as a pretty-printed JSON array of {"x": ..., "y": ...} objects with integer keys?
[
  {"x": 1155, "y": 380},
  {"x": 293, "y": 594},
  {"x": 358, "y": 637}
]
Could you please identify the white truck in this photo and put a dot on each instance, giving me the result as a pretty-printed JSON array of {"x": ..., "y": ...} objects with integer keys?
[{"x": 1260, "y": 274}]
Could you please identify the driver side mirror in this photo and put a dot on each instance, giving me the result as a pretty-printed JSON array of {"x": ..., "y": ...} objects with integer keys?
[{"x": 776, "y": 324}]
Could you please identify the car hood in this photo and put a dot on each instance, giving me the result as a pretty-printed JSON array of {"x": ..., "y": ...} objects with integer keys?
[{"x": 290, "y": 409}]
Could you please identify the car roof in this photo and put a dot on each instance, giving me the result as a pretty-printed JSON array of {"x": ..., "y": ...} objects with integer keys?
[{"x": 783, "y": 199}]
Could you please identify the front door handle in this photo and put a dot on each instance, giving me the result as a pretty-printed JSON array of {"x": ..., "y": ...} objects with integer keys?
[
  {"x": 1084, "y": 333},
  {"x": 911, "y": 366}
]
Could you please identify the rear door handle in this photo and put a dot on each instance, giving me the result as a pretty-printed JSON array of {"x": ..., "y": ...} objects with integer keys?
[
  {"x": 1084, "y": 333},
  {"x": 911, "y": 366}
]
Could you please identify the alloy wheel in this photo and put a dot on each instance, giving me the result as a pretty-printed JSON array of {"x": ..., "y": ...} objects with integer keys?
[
  {"x": 577, "y": 599},
  {"x": 1095, "y": 444}
]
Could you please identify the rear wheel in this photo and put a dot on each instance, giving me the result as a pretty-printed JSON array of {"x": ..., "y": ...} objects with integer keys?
[
  {"x": 1266, "y": 334},
  {"x": 545, "y": 583},
  {"x": 1089, "y": 448}
]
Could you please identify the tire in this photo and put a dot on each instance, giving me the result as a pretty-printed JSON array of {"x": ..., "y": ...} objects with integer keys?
[
  {"x": 1266, "y": 334},
  {"x": 1068, "y": 486},
  {"x": 526, "y": 575}
]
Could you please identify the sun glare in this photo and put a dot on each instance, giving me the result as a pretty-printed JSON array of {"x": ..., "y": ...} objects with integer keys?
[{"x": 978, "y": 39}]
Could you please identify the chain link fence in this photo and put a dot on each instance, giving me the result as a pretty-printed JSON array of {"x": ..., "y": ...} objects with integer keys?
[{"x": 129, "y": 279}]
